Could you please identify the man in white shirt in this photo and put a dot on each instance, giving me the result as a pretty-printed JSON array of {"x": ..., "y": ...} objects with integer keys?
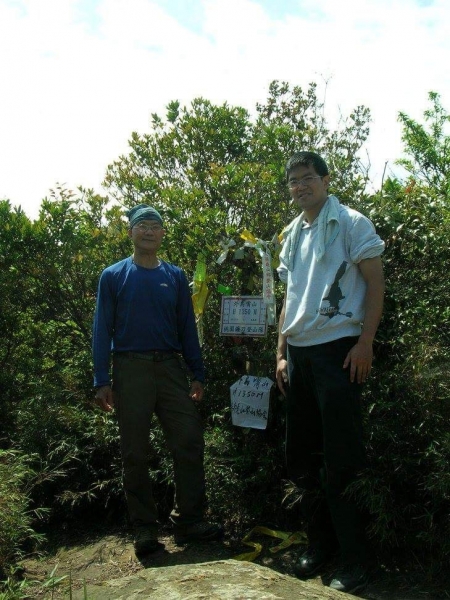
[{"x": 331, "y": 265}]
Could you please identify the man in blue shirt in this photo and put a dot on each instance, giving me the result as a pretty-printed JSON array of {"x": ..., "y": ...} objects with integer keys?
[{"x": 144, "y": 317}]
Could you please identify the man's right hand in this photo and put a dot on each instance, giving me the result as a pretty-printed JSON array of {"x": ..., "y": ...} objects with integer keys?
[
  {"x": 104, "y": 398},
  {"x": 282, "y": 376}
]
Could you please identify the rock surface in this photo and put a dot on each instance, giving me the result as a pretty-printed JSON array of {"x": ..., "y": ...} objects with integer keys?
[
  {"x": 106, "y": 567},
  {"x": 218, "y": 580}
]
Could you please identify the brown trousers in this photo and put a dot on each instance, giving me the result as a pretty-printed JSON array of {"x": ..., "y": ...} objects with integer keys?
[{"x": 142, "y": 387}]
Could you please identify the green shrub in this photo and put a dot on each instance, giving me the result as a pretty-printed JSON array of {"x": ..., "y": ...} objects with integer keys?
[{"x": 17, "y": 479}]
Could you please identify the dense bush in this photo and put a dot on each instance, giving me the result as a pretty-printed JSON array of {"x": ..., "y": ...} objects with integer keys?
[
  {"x": 408, "y": 487},
  {"x": 17, "y": 478}
]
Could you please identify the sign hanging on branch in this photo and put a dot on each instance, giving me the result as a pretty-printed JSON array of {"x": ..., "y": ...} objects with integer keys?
[
  {"x": 243, "y": 316},
  {"x": 249, "y": 398},
  {"x": 268, "y": 285}
]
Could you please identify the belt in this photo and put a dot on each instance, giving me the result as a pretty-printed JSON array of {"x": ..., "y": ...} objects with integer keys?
[{"x": 153, "y": 355}]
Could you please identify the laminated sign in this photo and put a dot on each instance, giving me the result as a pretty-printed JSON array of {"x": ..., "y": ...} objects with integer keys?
[
  {"x": 250, "y": 401},
  {"x": 243, "y": 316}
]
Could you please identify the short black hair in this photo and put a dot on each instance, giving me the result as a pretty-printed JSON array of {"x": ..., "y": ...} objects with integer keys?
[{"x": 307, "y": 159}]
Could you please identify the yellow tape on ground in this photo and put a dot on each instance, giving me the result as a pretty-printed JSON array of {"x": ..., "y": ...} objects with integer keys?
[{"x": 298, "y": 537}]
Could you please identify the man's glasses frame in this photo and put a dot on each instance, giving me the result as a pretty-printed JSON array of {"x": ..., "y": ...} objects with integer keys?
[
  {"x": 142, "y": 228},
  {"x": 304, "y": 182}
]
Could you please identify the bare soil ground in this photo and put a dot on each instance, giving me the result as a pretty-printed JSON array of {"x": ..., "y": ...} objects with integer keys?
[{"x": 90, "y": 557}]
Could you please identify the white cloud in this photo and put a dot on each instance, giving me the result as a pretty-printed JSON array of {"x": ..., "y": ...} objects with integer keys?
[{"x": 79, "y": 77}]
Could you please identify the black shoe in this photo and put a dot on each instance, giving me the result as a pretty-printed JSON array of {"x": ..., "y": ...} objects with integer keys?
[
  {"x": 350, "y": 578},
  {"x": 197, "y": 532},
  {"x": 312, "y": 561},
  {"x": 146, "y": 540}
]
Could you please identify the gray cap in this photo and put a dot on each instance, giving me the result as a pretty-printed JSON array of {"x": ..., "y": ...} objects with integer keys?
[{"x": 143, "y": 212}]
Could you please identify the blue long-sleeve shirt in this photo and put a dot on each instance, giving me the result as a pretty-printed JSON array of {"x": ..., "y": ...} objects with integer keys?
[{"x": 141, "y": 309}]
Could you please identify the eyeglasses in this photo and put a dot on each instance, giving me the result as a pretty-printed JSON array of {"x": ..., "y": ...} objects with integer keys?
[
  {"x": 144, "y": 228},
  {"x": 294, "y": 183}
]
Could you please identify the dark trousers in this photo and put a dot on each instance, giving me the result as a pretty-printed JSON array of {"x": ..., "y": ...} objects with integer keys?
[
  {"x": 142, "y": 387},
  {"x": 324, "y": 445}
]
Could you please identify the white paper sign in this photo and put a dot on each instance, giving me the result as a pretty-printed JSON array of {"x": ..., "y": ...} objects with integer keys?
[
  {"x": 243, "y": 316},
  {"x": 250, "y": 401}
]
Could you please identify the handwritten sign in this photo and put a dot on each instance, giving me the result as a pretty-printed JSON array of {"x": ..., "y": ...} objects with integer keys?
[
  {"x": 243, "y": 315},
  {"x": 249, "y": 398},
  {"x": 268, "y": 292}
]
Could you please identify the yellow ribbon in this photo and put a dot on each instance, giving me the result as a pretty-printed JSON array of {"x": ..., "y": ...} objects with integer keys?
[
  {"x": 249, "y": 237},
  {"x": 200, "y": 294},
  {"x": 298, "y": 537},
  {"x": 200, "y": 298}
]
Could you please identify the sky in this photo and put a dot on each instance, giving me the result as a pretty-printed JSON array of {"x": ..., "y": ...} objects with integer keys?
[{"x": 77, "y": 77}]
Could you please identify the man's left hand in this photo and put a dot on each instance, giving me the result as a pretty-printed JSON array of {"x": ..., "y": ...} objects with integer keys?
[
  {"x": 196, "y": 392},
  {"x": 360, "y": 360}
]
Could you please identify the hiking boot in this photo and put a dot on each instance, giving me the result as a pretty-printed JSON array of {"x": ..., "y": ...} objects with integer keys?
[
  {"x": 350, "y": 578},
  {"x": 202, "y": 531},
  {"x": 312, "y": 561},
  {"x": 146, "y": 540}
]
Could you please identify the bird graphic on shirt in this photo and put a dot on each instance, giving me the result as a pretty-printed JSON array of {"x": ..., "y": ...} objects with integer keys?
[{"x": 335, "y": 294}]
